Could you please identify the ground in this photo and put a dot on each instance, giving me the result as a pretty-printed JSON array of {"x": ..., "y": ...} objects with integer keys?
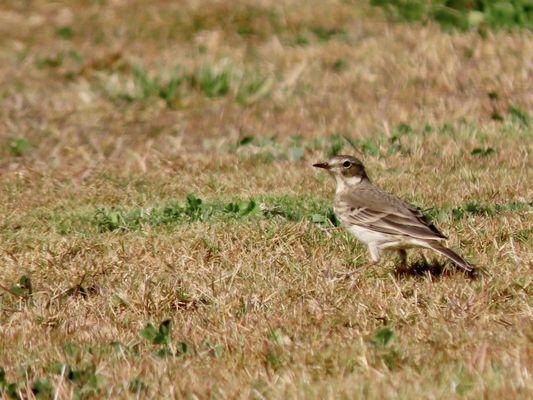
[{"x": 165, "y": 236}]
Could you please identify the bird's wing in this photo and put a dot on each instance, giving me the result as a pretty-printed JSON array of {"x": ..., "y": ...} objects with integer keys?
[{"x": 381, "y": 212}]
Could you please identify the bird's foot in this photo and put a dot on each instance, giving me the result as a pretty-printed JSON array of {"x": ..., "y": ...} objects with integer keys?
[
  {"x": 355, "y": 272},
  {"x": 338, "y": 275}
]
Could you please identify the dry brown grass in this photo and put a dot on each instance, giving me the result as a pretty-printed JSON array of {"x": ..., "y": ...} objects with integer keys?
[{"x": 256, "y": 300}]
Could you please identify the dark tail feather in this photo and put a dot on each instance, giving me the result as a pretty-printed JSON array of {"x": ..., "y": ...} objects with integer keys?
[{"x": 452, "y": 255}]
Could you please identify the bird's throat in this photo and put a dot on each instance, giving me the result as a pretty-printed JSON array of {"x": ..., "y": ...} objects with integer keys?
[{"x": 344, "y": 183}]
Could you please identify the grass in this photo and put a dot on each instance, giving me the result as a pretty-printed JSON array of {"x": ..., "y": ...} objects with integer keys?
[
  {"x": 268, "y": 208},
  {"x": 177, "y": 86},
  {"x": 463, "y": 14},
  {"x": 195, "y": 210},
  {"x": 163, "y": 234}
]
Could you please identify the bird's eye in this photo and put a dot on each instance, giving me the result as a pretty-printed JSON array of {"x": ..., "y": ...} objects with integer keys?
[{"x": 346, "y": 164}]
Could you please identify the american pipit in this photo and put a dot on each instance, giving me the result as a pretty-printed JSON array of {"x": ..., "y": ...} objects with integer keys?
[{"x": 381, "y": 220}]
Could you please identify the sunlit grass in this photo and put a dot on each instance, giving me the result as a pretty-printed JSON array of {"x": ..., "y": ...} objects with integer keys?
[{"x": 163, "y": 234}]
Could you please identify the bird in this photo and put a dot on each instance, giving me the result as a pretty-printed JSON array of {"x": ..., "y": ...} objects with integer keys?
[{"x": 380, "y": 220}]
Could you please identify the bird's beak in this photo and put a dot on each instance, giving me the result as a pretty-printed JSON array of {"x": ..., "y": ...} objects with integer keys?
[{"x": 322, "y": 165}]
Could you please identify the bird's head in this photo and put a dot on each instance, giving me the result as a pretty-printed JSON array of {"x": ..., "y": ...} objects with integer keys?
[{"x": 346, "y": 169}]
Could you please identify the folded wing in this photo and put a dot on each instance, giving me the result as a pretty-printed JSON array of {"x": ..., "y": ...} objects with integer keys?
[{"x": 384, "y": 213}]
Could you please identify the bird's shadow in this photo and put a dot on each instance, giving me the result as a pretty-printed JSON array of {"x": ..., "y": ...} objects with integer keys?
[{"x": 434, "y": 268}]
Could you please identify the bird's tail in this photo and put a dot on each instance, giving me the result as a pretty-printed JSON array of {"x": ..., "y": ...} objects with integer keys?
[{"x": 452, "y": 255}]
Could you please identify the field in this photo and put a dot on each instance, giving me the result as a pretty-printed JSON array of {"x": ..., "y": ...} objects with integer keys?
[{"x": 163, "y": 234}]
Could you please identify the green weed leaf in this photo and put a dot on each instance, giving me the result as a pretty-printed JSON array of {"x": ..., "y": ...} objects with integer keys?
[
  {"x": 482, "y": 152},
  {"x": 383, "y": 336},
  {"x": 154, "y": 335},
  {"x": 19, "y": 146}
]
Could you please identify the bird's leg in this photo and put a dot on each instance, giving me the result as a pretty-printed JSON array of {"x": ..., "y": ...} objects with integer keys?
[
  {"x": 424, "y": 259},
  {"x": 374, "y": 252},
  {"x": 403, "y": 259},
  {"x": 355, "y": 271}
]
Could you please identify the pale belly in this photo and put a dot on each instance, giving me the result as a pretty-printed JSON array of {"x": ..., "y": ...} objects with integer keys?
[
  {"x": 384, "y": 241},
  {"x": 367, "y": 236}
]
